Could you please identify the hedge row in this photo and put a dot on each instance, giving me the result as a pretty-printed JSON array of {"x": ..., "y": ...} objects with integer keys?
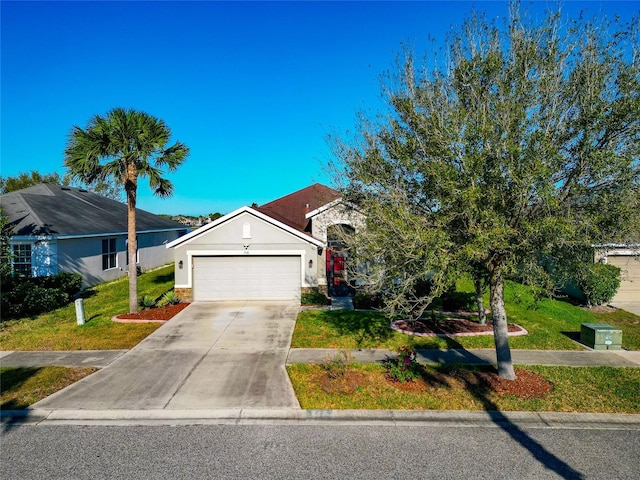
[{"x": 26, "y": 297}]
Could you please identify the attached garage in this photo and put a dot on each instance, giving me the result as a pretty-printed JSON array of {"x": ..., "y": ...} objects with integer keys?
[
  {"x": 246, "y": 278},
  {"x": 629, "y": 290},
  {"x": 246, "y": 255}
]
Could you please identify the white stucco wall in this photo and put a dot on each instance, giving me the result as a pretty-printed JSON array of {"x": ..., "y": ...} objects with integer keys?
[{"x": 244, "y": 234}]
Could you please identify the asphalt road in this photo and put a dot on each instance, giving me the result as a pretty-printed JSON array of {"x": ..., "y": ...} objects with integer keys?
[{"x": 315, "y": 452}]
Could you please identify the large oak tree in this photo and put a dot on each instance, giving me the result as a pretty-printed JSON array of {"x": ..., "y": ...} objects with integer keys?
[
  {"x": 122, "y": 147},
  {"x": 519, "y": 144}
]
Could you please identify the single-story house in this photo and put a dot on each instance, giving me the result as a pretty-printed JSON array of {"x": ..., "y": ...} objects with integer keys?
[
  {"x": 65, "y": 229},
  {"x": 274, "y": 251}
]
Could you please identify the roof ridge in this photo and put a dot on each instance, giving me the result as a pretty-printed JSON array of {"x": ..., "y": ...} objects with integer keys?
[
  {"x": 298, "y": 191},
  {"x": 37, "y": 219}
]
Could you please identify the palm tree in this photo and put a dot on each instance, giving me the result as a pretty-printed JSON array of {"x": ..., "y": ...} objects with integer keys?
[{"x": 119, "y": 148}]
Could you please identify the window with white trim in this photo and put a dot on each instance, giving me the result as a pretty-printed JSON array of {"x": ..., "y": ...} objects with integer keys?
[
  {"x": 109, "y": 254},
  {"x": 22, "y": 259}
]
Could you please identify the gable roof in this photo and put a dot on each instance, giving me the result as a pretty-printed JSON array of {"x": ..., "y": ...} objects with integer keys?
[
  {"x": 47, "y": 209},
  {"x": 293, "y": 208},
  {"x": 240, "y": 211}
]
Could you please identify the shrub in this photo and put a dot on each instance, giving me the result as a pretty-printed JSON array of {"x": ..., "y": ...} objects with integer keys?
[
  {"x": 169, "y": 298},
  {"x": 69, "y": 283},
  {"x": 35, "y": 299},
  {"x": 314, "y": 298},
  {"x": 454, "y": 301},
  {"x": 598, "y": 282},
  {"x": 404, "y": 368},
  {"x": 32, "y": 296},
  {"x": 337, "y": 365},
  {"x": 146, "y": 302},
  {"x": 366, "y": 301}
]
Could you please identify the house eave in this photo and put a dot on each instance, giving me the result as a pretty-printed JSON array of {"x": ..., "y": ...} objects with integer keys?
[
  {"x": 323, "y": 208},
  {"x": 24, "y": 238}
]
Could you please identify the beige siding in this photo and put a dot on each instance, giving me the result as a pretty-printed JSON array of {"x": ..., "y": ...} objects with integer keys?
[{"x": 629, "y": 265}]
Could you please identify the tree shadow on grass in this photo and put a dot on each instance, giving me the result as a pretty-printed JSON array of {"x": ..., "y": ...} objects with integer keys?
[
  {"x": 366, "y": 328},
  {"x": 167, "y": 277},
  {"x": 13, "y": 379}
]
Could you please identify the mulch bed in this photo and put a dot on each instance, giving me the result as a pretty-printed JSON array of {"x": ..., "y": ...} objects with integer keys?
[
  {"x": 526, "y": 385},
  {"x": 160, "y": 314},
  {"x": 345, "y": 384},
  {"x": 451, "y": 327}
]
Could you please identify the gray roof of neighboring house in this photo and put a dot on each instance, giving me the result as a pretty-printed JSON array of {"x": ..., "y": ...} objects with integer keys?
[{"x": 47, "y": 209}]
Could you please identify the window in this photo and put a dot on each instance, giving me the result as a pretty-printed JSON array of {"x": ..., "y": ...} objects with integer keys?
[
  {"x": 22, "y": 259},
  {"x": 108, "y": 253}
]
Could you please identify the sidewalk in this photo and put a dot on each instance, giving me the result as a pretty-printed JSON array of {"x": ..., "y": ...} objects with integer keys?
[
  {"x": 571, "y": 358},
  {"x": 74, "y": 358}
]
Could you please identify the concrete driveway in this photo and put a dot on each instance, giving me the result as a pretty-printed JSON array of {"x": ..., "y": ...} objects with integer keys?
[
  {"x": 210, "y": 355},
  {"x": 633, "y": 307}
]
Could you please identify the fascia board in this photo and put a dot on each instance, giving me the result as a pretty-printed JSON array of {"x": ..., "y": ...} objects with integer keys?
[
  {"x": 88, "y": 235},
  {"x": 205, "y": 228},
  {"x": 323, "y": 208}
]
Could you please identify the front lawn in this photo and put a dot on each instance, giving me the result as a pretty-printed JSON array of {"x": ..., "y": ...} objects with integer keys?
[
  {"x": 552, "y": 325},
  {"x": 58, "y": 330},
  {"x": 585, "y": 389}
]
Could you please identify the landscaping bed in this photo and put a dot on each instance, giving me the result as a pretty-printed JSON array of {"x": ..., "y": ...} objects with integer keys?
[
  {"x": 159, "y": 314},
  {"x": 450, "y": 327}
]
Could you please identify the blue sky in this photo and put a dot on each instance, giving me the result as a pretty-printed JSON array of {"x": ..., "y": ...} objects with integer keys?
[{"x": 253, "y": 88}]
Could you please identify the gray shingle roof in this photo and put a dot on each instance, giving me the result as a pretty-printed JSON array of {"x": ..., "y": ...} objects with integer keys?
[{"x": 54, "y": 210}]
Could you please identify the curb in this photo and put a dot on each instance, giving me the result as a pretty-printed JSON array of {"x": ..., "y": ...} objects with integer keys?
[{"x": 441, "y": 418}]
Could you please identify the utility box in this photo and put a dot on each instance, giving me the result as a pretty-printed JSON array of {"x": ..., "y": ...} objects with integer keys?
[{"x": 601, "y": 336}]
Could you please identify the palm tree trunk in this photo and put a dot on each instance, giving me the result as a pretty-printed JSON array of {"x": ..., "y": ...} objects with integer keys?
[
  {"x": 131, "y": 189},
  {"x": 500, "y": 331}
]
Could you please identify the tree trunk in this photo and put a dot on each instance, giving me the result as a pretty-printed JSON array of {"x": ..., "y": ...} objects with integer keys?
[
  {"x": 500, "y": 331},
  {"x": 482, "y": 318},
  {"x": 131, "y": 189}
]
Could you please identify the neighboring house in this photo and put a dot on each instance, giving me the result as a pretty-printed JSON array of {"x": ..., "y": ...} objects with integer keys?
[
  {"x": 627, "y": 258},
  {"x": 275, "y": 251},
  {"x": 64, "y": 229}
]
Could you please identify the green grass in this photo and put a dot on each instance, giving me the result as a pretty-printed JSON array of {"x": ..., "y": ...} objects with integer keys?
[
  {"x": 22, "y": 387},
  {"x": 585, "y": 389},
  {"x": 58, "y": 330},
  {"x": 552, "y": 325}
]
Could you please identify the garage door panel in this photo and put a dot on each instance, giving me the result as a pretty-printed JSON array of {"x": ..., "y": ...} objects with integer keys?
[
  {"x": 246, "y": 278},
  {"x": 629, "y": 265}
]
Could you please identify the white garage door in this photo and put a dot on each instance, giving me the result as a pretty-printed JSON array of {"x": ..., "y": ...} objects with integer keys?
[
  {"x": 629, "y": 290},
  {"x": 246, "y": 278}
]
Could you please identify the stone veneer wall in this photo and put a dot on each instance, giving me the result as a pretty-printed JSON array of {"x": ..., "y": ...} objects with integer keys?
[{"x": 185, "y": 294}]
